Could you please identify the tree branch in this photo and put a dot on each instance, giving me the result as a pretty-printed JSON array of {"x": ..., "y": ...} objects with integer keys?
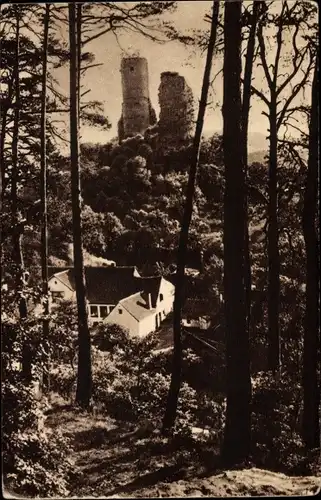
[
  {"x": 294, "y": 93},
  {"x": 263, "y": 55}
]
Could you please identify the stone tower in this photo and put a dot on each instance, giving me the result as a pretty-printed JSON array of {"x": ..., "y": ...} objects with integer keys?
[
  {"x": 176, "y": 120},
  {"x": 137, "y": 113}
]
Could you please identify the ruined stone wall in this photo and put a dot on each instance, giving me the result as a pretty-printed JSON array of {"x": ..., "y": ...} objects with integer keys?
[
  {"x": 176, "y": 120},
  {"x": 136, "y": 108}
]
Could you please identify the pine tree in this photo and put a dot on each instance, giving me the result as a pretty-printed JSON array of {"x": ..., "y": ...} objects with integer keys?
[
  {"x": 84, "y": 377},
  {"x": 237, "y": 434},
  {"x": 172, "y": 400},
  {"x": 311, "y": 346}
]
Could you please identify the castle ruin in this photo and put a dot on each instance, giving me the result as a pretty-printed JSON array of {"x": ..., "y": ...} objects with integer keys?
[
  {"x": 176, "y": 120},
  {"x": 137, "y": 112}
]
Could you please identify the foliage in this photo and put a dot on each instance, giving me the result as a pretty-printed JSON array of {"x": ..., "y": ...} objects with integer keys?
[
  {"x": 276, "y": 406},
  {"x": 108, "y": 338},
  {"x": 34, "y": 461},
  {"x": 63, "y": 332},
  {"x": 131, "y": 382}
]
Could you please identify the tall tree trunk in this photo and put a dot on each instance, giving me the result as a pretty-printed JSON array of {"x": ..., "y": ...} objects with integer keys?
[
  {"x": 274, "y": 352},
  {"x": 79, "y": 21},
  {"x": 4, "y": 112},
  {"x": 245, "y": 125},
  {"x": 311, "y": 347},
  {"x": 4, "y": 115},
  {"x": 43, "y": 191},
  {"x": 172, "y": 400},
  {"x": 17, "y": 232},
  {"x": 84, "y": 378},
  {"x": 237, "y": 435}
]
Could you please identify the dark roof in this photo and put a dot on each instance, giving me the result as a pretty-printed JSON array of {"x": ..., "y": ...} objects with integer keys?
[
  {"x": 149, "y": 285},
  {"x": 54, "y": 270},
  {"x": 104, "y": 284},
  {"x": 111, "y": 284}
]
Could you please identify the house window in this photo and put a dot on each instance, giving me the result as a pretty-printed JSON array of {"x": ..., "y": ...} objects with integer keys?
[
  {"x": 57, "y": 296},
  {"x": 188, "y": 321},
  {"x": 103, "y": 311},
  {"x": 120, "y": 311},
  {"x": 94, "y": 311},
  {"x": 111, "y": 308},
  {"x": 161, "y": 297}
]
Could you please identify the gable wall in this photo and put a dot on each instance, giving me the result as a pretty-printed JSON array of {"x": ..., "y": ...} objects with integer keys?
[
  {"x": 55, "y": 285},
  {"x": 167, "y": 289},
  {"x": 125, "y": 319},
  {"x": 147, "y": 325}
]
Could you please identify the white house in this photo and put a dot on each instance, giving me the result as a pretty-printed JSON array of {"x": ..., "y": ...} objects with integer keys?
[
  {"x": 61, "y": 287},
  {"x": 117, "y": 295},
  {"x": 143, "y": 312}
]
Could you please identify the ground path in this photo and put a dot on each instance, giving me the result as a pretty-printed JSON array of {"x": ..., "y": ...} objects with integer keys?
[{"x": 120, "y": 460}]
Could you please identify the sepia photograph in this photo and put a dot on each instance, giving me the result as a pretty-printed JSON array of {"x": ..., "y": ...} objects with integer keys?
[{"x": 160, "y": 249}]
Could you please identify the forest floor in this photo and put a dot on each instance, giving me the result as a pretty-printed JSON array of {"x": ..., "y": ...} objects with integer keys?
[{"x": 114, "y": 459}]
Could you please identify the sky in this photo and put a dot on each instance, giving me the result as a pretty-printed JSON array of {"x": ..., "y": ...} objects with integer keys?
[{"x": 105, "y": 85}]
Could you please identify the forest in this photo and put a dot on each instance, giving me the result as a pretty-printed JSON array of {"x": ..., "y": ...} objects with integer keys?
[{"x": 95, "y": 411}]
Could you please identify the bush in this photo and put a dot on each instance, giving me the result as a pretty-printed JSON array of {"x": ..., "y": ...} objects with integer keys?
[
  {"x": 110, "y": 337},
  {"x": 131, "y": 383},
  {"x": 34, "y": 460},
  {"x": 276, "y": 412},
  {"x": 63, "y": 380}
]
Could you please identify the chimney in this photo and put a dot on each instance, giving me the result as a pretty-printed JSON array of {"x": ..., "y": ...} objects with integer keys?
[{"x": 149, "y": 299}]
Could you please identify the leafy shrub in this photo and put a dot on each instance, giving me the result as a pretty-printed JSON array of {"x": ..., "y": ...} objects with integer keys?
[
  {"x": 63, "y": 379},
  {"x": 276, "y": 411},
  {"x": 109, "y": 337},
  {"x": 63, "y": 333},
  {"x": 34, "y": 461},
  {"x": 131, "y": 383}
]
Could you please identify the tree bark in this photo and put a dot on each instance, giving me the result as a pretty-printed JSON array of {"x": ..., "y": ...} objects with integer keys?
[
  {"x": 17, "y": 233},
  {"x": 84, "y": 376},
  {"x": 311, "y": 346},
  {"x": 79, "y": 21},
  {"x": 4, "y": 115},
  {"x": 245, "y": 125},
  {"x": 43, "y": 194},
  {"x": 274, "y": 352},
  {"x": 237, "y": 434},
  {"x": 172, "y": 400}
]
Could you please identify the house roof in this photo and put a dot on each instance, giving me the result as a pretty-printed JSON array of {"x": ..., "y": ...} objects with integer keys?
[
  {"x": 104, "y": 284},
  {"x": 55, "y": 270},
  {"x": 112, "y": 284},
  {"x": 149, "y": 285},
  {"x": 137, "y": 306},
  {"x": 66, "y": 277}
]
